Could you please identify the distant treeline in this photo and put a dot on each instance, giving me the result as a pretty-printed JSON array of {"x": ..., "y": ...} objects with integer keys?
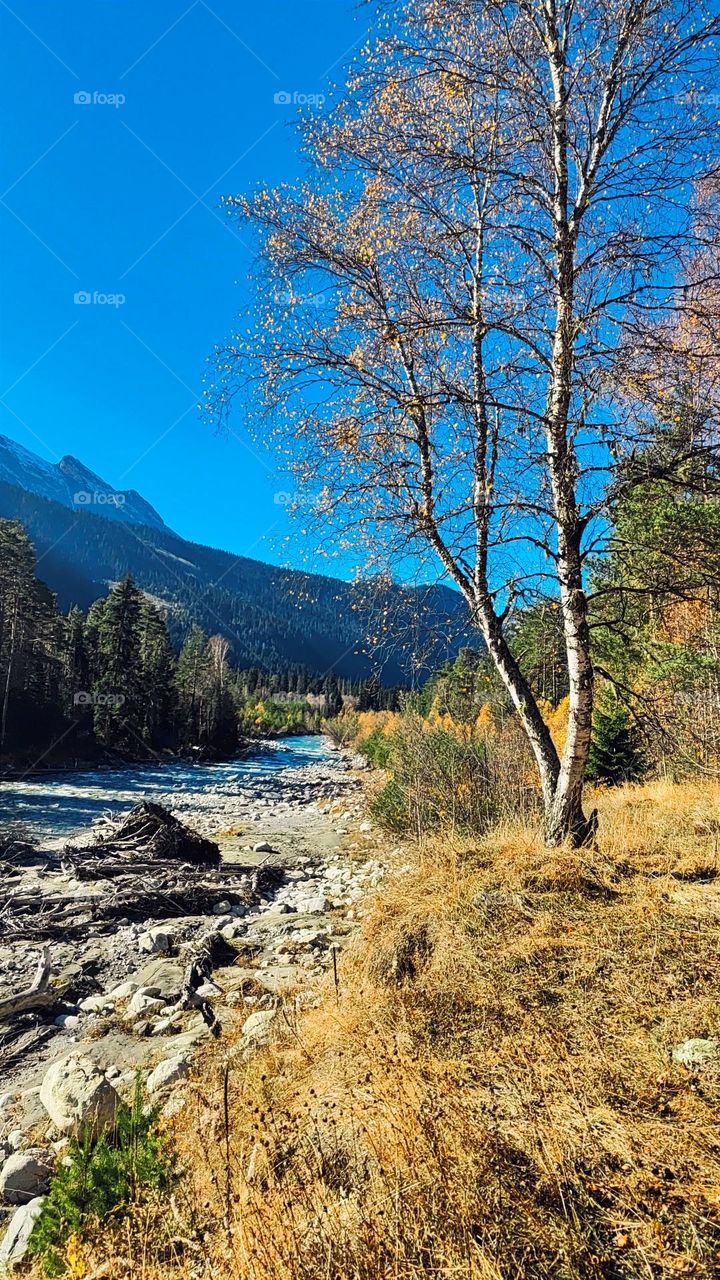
[{"x": 108, "y": 683}]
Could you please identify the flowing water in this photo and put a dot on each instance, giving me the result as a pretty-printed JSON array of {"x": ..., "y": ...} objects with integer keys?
[{"x": 63, "y": 804}]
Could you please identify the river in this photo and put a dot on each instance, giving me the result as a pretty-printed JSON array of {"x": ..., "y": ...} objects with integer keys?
[{"x": 56, "y": 807}]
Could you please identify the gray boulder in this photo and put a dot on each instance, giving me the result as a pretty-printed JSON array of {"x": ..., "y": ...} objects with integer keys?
[
  {"x": 143, "y": 1002},
  {"x": 257, "y": 1029},
  {"x": 25, "y": 1175},
  {"x": 160, "y": 977},
  {"x": 167, "y": 1073},
  {"x": 156, "y": 940},
  {"x": 15, "y": 1241},
  {"x": 76, "y": 1094}
]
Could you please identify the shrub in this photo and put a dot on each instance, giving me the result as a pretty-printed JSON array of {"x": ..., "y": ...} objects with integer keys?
[
  {"x": 377, "y": 748},
  {"x": 438, "y": 780},
  {"x": 101, "y": 1176},
  {"x": 390, "y": 807},
  {"x": 342, "y": 729}
]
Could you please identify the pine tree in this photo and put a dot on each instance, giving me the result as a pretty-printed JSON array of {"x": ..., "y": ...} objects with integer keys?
[
  {"x": 30, "y": 713},
  {"x": 191, "y": 679},
  {"x": 613, "y": 755},
  {"x": 157, "y": 688},
  {"x": 117, "y": 693},
  {"x": 333, "y": 703}
]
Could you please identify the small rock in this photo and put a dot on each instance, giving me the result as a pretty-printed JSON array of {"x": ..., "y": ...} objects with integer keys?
[
  {"x": 15, "y": 1241},
  {"x": 25, "y": 1175},
  {"x": 174, "y": 1105},
  {"x": 699, "y": 1055},
  {"x": 262, "y": 847},
  {"x": 167, "y": 1073},
  {"x": 143, "y": 1002},
  {"x": 123, "y": 992},
  {"x": 314, "y": 906},
  {"x": 256, "y": 1029},
  {"x": 155, "y": 940},
  {"x": 234, "y": 930},
  {"x": 208, "y": 991},
  {"x": 16, "y": 1139},
  {"x": 223, "y": 922},
  {"x": 96, "y": 1004},
  {"x": 221, "y": 908},
  {"x": 67, "y": 1021}
]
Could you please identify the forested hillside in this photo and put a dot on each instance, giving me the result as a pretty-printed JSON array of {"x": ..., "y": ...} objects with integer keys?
[
  {"x": 272, "y": 618},
  {"x": 108, "y": 684}
]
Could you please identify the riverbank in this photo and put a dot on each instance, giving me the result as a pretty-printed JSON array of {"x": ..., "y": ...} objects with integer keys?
[
  {"x": 516, "y": 1075},
  {"x": 296, "y": 864}
]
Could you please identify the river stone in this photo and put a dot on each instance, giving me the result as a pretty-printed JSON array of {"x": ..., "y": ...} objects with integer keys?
[
  {"x": 156, "y": 940},
  {"x": 167, "y": 1073},
  {"x": 15, "y": 1241},
  {"x": 25, "y": 1175},
  {"x": 262, "y": 846},
  {"x": 123, "y": 992},
  {"x": 96, "y": 1004},
  {"x": 699, "y": 1055},
  {"x": 143, "y": 1002},
  {"x": 315, "y": 906},
  {"x": 256, "y": 1029},
  {"x": 160, "y": 978},
  {"x": 76, "y": 1094}
]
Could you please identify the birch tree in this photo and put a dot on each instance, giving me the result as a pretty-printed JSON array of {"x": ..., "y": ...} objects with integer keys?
[{"x": 498, "y": 212}]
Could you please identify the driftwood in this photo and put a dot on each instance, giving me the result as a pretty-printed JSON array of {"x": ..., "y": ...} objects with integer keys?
[
  {"x": 35, "y": 914},
  {"x": 37, "y": 996},
  {"x": 152, "y": 832}
]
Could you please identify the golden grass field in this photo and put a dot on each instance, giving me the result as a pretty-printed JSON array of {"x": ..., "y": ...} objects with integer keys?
[{"x": 490, "y": 1093}]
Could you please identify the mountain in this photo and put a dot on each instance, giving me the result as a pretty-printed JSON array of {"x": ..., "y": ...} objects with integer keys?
[
  {"x": 74, "y": 486},
  {"x": 273, "y": 618}
]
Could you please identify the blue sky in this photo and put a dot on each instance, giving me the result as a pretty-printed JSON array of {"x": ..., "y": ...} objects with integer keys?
[{"x": 106, "y": 197}]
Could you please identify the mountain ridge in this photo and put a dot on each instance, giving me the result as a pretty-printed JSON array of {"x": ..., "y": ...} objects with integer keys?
[
  {"x": 70, "y": 483},
  {"x": 273, "y": 618}
]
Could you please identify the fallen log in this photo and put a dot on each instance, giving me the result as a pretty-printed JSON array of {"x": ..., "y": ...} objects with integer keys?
[
  {"x": 36, "y": 996},
  {"x": 65, "y": 916}
]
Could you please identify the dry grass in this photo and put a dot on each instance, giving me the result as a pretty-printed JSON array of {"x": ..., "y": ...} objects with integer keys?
[{"x": 492, "y": 1094}]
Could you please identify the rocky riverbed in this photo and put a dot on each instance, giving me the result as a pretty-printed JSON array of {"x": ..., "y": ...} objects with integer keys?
[{"x": 300, "y": 859}]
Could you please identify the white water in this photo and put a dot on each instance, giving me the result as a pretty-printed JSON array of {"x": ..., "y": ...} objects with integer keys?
[{"x": 64, "y": 804}]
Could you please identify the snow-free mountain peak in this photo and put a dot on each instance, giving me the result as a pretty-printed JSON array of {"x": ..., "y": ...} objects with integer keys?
[{"x": 73, "y": 485}]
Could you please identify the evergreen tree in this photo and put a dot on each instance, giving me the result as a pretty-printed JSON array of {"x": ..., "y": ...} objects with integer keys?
[
  {"x": 117, "y": 693},
  {"x": 613, "y": 755},
  {"x": 30, "y": 714},
  {"x": 157, "y": 688},
  {"x": 333, "y": 703},
  {"x": 191, "y": 679}
]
